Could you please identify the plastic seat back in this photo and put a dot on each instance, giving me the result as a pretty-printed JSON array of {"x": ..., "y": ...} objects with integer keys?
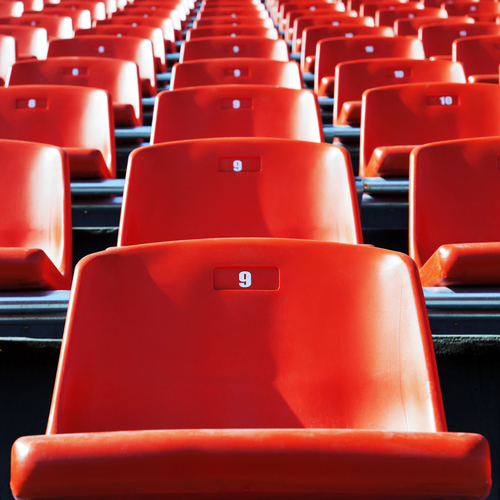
[
  {"x": 77, "y": 119},
  {"x": 57, "y": 27},
  {"x": 137, "y": 50},
  {"x": 233, "y": 12},
  {"x": 322, "y": 9},
  {"x": 118, "y": 77},
  {"x": 387, "y": 17},
  {"x": 238, "y": 21},
  {"x": 215, "y": 47},
  {"x": 331, "y": 51},
  {"x": 7, "y": 56},
  {"x": 215, "y": 333},
  {"x": 443, "y": 176},
  {"x": 35, "y": 201},
  {"x": 30, "y": 42},
  {"x": 479, "y": 55},
  {"x": 11, "y": 9},
  {"x": 226, "y": 30},
  {"x": 313, "y": 34},
  {"x": 438, "y": 39},
  {"x": 410, "y": 26},
  {"x": 416, "y": 114},
  {"x": 236, "y": 111},
  {"x": 239, "y": 187},
  {"x": 471, "y": 8},
  {"x": 81, "y": 17},
  {"x": 368, "y": 8},
  {"x": 352, "y": 78},
  {"x": 236, "y": 71}
]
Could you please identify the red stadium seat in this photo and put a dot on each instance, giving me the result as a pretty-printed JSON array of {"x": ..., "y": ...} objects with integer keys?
[
  {"x": 399, "y": 118},
  {"x": 438, "y": 39},
  {"x": 236, "y": 71},
  {"x": 368, "y": 8},
  {"x": 331, "y": 51},
  {"x": 30, "y": 42},
  {"x": 215, "y": 47},
  {"x": 138, "y": 50},
  {"x": 308, "y": 6},
  {"x": 57, "y": 26},
  {"x": 388, "y": 16},
  {"x": 472, "y": 8},
  {"x": 7, "y": 57},
  {"x": 35, "y": 232},
  {"x": 81, "y": 17},
  {"x": 11, "y": 8},
  {"x": 479, "y": 55},
  {"x": 163, "y": 15},
  {"x": 233, "y": 21},
  {"x": 118, "y": 77},
  {"x": 154, "y": 35},
  {"x": 352, "y": 78},
  {"x": 410, "y": 27},
  {"x": 77, "y": 119},
  {"x": 249, "y": 187},
  {"x": 236, "y": 111},
  {"x": 227, "y": 30},
  {"x": 315, "y": 10},
  {"x": 454, "y": 210},
  {"x": 97, "y": 9},
  {"x": 270, "y": 368},
  {"x": 233, "y": 12},
  {"x": 313, "y": 34}
]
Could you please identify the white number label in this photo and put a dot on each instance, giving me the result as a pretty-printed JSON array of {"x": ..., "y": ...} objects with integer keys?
[
  {"x": 446, "y": 100},
  {"x": 335, "y": 23},
  {"x": 75, "y": 72},
  {"x": 237, "y": 165},
  {"x": 236, "y": 49},
  {"x": 245, "y": 279},
  {"x": 349, "y": 35},
  {"x": 463, "y": 33},
  {"x": 369, "y": 49},
  {"x": 236, "y": 104},
  {"x": 237, "y": 73},
  {"x": 399, "y": 73},
  {"x": 101, "y": 49},
  {"x": 31, "y": 103}
]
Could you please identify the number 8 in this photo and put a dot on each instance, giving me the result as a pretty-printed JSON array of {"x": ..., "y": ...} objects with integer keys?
[{"x": 245, "y": 279}]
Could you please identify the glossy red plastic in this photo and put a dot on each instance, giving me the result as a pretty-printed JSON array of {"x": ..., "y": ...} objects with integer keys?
[
  {"x": 313, "y": 34},
  {"x": 453, "y": 242},
  {"x": 194, "y": 376},
  {"x": 396, "y": 119},
  {"x": 11, "y": 8},
  {"x": 438, "y": 39},
  {"x": 81, "y": 17},
  {"x": 370, "y": 7},
  {"x": 236, "y": 111},
  {"x": 7, "y": 56},
  {"x": 227, "y": 30},
  {"x": 252, "y": 187},
  {"x": 307, "y": 7},
  {"x": 410, "y": 27},
  {"x": 155, "y": 35},
  {"x": 97, "y": 8},
  {"x": 35, "y": 232},
  {"x": 57, "y": 26},
  {"x": 137, "y": 50},
  {"x": 387, "y": 16},
  {"x": 471, "y": 8},
  {"x": 77, "y": 119},
  {"x": 236, "y": 71},
  {"x": 118, "y": 77},
  {"x": 331, "y": 51},
  {"x": 479, "y": 55},
  {"x": 215, "y": 47},
  {"x": 30, "y": 41},
  {"x": 352, "y": 78},
  {"x": 319, "y": 10},
  {"x": 239, "y": 21}
]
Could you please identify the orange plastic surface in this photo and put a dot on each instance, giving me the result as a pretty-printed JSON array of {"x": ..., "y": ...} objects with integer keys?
[
  {"x": 443, "y": 175},
  {"x": 387, "y": 16},
  {"x": 88, "y": 136},
  {"x": 410, "y": 27},
  {"x": 438, "y": 39},
  {"x": 215, "y": 47},
  {"x": 30, "y": 42},
  {"x": 313, "y": 34},
  {"x": 57, "y": 26},
  {"x": 138, "y": 50},
  {"x": 35, "y": 228},
  {"x": 236, "y": 71},
  {"x": 239, "y": 187},
  {"x": 155, "y": 35},
  {"x": 118, "y": 77},
  {"x": 331, "y": 51},
  {"x": 227, "y": 30},
  {"x": 479, "y": 55},
  {"x": 354, "y": 77},
  {"x": 419, "y": 113},
  {"x": 236, "y": 111},
  {"x": 274, "y": 382}
]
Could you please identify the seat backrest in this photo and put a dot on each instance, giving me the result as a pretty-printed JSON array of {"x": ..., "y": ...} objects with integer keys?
[
  {"x": 236, "y": 71},
  {"x": 479, "y": 55},
  {"x": 387, "y": 16},
  {"x": 313, "y": 34},
  {"x": 336, "y": 19},
  {"x": 471, "y": 8},
  {"x": 331, "y": 51},
  {"x": 233, "y": 21},
  {"x": 63, "y": 116},
  {"x": 410, "y": 26},
  {"x": 227, "y": 46},
  {"x": 249, "y": 187},
  {"x": 352, "y": 78},
  {"x": 246, "y": 333},
  {"x": 226, "y": 30},
  {"x": 137, "y": 50},
  {"x": 319, "y": 10},
  {"x": 453, "y": 195},
  {"x": 81, "y": 17},
  {"x": 420, "y": 113},
  {"x": 236, "y": 111},
  {"x": 370, "y": 7},
  {"x": 233, "y": 12},
  {"x": 57, "y": 26},
  {"x": 35, "y": 201},
  {"x": 7, "y": 56},
  {"x": 11, "y": 9},
  {"x": 30, "y": 42},
  {"x": 118, "y": 77},
  {"x": 438, "y": 39}
]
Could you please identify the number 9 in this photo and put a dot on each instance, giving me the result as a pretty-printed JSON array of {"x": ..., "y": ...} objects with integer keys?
[
  {"x": 237, "y": 165},
  {"x": 245, "y": 279}
]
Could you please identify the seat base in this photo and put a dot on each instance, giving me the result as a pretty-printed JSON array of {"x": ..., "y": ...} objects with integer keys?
[
  {"x": 85, "y": 163},
  {"x": 350, "y": 114},
  {"x": 388, "y": 161}
]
